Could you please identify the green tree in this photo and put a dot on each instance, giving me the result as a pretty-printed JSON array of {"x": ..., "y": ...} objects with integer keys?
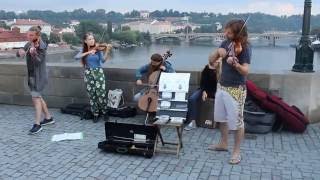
[
  {"x": 130, "y": 37},
  {"x": 54, "y": 38},
  {"x": 4, "y": 25},
  {"x": 125, "y": 28},
  {"x": 45, "y": 38},
  {"x": 109, "y": 28},
  {"x": 146, "y": 37},
  {"x": 133, "y": 14},
  {"x": 206, "y": 29},
  {"x": 94, "y": 27},
  {"x": 71, "y": 39}
]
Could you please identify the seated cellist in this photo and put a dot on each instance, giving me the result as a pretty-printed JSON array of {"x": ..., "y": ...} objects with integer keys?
[{"x": 156, "y": 63}]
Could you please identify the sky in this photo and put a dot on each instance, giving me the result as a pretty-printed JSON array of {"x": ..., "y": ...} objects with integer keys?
[{"x": 274, "y": 7}]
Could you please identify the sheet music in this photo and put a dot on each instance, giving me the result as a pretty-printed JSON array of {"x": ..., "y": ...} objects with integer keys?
[
  {"x": 180, "y": 96},
  {"x": 174, "y": 82},
  {"x": 67, "y": 136}
]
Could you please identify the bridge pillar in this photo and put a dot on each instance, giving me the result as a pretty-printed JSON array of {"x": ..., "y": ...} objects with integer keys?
[
  {"x": 187, "y": 38},
  {"x": 273, "y": 40},
  {"x": 153, "y": 39}
]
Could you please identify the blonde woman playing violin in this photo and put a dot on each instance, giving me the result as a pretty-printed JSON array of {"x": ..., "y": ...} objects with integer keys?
[
  {"x": 92, "y": 56},
  {"x": 235, "y": 53}
]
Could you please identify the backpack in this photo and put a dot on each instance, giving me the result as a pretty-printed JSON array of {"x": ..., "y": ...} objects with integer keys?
[
  {"x": 79, "y": 109},
  {"x": 257, "y": 120}
]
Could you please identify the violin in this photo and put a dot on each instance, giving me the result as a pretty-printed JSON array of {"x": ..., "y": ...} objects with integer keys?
[
  {"x": 105, "y": 47},
  {"x": 34, "y": 45},
  {"x": 235, "y": 48},
  {"x": 102, "y": 47},
  {"x": 149, "y": 101}
]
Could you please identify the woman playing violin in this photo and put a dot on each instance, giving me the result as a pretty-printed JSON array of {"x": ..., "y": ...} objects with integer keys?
[
  {"x": 92, "y": 56},
  {"x": 235, "y": 53}
]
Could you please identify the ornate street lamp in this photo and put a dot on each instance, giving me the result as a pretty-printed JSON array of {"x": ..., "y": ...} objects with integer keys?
[{"x": 304, "y": 51}]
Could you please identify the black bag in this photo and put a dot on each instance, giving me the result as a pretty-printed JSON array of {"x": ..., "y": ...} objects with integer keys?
[
  {"x": 206, "y": 115},
  {"x": 79, "y": 109},
  {"x": 123, "y": 112},
  {"x": 87, "y": 113},
  {"x": 257, "y": 121},
  {"x": 130, "y": 139}
]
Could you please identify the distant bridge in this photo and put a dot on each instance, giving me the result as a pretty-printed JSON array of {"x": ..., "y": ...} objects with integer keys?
[{"x": 189, "y": 37}]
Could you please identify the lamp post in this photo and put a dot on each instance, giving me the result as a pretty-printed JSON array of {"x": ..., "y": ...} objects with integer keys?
[{"x": 304, "y": 51}]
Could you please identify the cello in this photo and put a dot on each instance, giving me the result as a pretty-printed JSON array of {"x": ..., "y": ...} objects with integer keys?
[{"x": 149, "y": 101}]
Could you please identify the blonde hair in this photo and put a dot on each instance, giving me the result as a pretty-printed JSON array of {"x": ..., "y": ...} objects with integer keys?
[
  {"x": 215, "y": 57},
  {"x": 36, "y": 29}
]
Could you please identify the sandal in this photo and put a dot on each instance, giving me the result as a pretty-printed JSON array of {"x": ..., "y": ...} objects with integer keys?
[
  {"x": 216, "y": 148},
  {"x": 235, "y": 160}
]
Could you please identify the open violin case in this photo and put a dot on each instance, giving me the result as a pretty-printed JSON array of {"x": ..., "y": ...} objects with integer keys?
[{"x": 131, "y": 139}]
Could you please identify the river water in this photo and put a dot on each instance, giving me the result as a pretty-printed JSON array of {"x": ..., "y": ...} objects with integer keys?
[{"x": 194, "y": 57}]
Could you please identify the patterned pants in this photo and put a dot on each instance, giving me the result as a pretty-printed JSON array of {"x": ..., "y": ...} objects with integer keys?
[
  {"x": 229, "y": 106},
  {"x": 96, "y": 88}
]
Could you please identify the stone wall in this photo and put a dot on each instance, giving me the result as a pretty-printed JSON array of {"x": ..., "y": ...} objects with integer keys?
[{"x": 66, "y": 86}]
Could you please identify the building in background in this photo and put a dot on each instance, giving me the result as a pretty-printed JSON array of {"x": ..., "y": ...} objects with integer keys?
[
  {"x": 70, "y": 30},
  {"x": 166, "y": 25},
  {"x": 153, "y": 27},
  {"x": 182, "y": 26},
  {"x": 25, "y": 24},
  {"x": 12, "y": 39},
  {"x": 144, "y": 14},
  {"x": 74, "y": 23}
]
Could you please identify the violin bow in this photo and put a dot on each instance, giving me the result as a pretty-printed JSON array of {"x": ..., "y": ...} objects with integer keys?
[
  {"x": 102, "y": 35},
  {"x": 107, "y": 53},
  {"x": 245, "y": 23}
]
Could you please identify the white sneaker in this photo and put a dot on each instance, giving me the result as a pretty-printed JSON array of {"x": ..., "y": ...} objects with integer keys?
[{"x": 190, "y": 126}]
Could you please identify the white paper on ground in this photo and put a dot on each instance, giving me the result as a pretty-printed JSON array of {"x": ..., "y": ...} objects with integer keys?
[{"x": 67, "y": 136}]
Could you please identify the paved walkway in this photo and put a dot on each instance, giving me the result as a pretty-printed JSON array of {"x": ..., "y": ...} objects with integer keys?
[{"x": 273, "y": 156}]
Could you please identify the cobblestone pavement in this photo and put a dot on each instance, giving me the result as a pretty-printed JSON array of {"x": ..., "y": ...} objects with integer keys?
[{"x": 273, "y": 156}]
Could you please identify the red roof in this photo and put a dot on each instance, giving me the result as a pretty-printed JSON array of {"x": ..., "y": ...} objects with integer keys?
[
  {"x": 32, "y": 22},
  {"x": 2, "y": 29},
  {"x": 13, "y": 36}
]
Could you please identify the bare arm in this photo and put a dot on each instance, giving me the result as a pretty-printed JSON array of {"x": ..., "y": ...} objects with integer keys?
[
  {"x": 217, "y": 55},
  {"x": 23, "y": 51},
  {"x": 242, "y": 69}
]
